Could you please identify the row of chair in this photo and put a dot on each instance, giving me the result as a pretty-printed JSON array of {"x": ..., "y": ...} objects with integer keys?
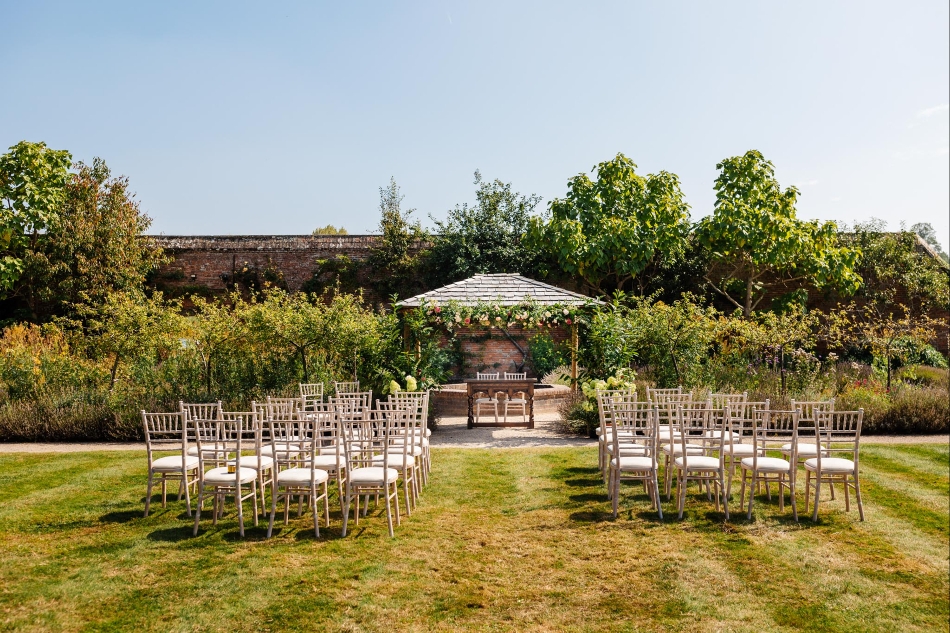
[
  {"x": 293, "y": 448},
  {"x": 700, "y": 442}
]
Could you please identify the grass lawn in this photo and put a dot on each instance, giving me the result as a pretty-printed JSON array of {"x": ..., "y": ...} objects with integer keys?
[{"x": 504, "y": 540}]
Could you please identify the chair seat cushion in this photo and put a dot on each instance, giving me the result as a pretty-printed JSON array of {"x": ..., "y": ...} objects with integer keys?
[
  {"x": 172, "y": 463},
  {"x": 221, "y": 476},
  {"x": 767, "y": 464},
  {"x": 396, "y": 460},
  {"x": 633, "y": 462},
  {"x": 628, "y": 449},
  {"x": 372, "y": 475},
  {"x": 698, "y": 462},
  {"x": 738, "y": 449},
  {"x": 329, "y": 462},
  {"x": 283, "y": 449},
  {"x": 250, "y": 461},
  {"x": 300, "y": 476},
  {"x": 830, "y": 465}
]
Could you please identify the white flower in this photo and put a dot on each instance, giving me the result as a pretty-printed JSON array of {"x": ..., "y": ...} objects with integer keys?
[
  {"x": 566, "y": 312},
  {"x": 547, "y": 315}
]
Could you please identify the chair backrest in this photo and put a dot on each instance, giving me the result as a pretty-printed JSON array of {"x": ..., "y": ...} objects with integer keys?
[
  {"x": 516, "y": 375},
  {"x": 361, "y": 399},
  {"x": 634, "y": 423},
  {"x": 486, "y": 376},
  {"x": 771, "y": 430},
  {"x": 310, "y": 394},
  {"x": 217, "y": 440},
  {"x": 283, "y": 408},
  {"x": 607, "y": 400},
  {"x": 811, "y": 408},
  {"x": 203, "y": 410},
  {"x": 722, "y": 400},
  {"x": 349, "y": 409},
  {"x": 346, "y": 387},
  {"x": 417, "y": 401},
  {"x": 739, "y": 418},
  {"x": 656, "y": 395},
  {"x": 840, "y": 433},
  {"x": 166, "y": 431},
  {"x": 293, "y": 442},
  {"x": 698, "y": 427},
  {"x": 365, "y": 439}
]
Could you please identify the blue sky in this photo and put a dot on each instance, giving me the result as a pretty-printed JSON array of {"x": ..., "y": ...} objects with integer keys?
[{"x": 234, "y": 117}]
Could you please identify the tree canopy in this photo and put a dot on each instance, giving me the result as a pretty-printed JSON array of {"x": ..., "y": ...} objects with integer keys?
[
  {"x": 757, "y": 244},
  {"x": 487, "y": 237},
  {"x": 609, "y": 230}
]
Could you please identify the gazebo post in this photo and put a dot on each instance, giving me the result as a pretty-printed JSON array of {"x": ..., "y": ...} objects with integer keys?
[{"x": 574, "y": 346}]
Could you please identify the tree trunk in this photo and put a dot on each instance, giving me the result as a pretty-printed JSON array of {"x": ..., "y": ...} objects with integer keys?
[
  {"x": 303, "y": 359},
  {"x": 115, "y": 369},
  {"x": 747, "y": 310}
]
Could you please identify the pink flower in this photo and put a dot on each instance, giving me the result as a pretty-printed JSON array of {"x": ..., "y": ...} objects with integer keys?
[
  {"x": 568, "y": 321},
  {"x": 438, "y": 309},
  {"x": 467, "y": 320}
]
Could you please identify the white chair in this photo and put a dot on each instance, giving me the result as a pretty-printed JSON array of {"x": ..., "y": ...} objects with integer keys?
[
  {"x": 346, "y": 387},
  {"x": 402, "y": 452},
  {"x": 657, "y": 396},
  {"x": 669, "y": 434},
  {"x": 364, "y": 441},
  {"x": 698, "y": 428},
  {"x": 738, "y": 439},
  {"x": 520, "y": 398},
  {"x": 605, "y": 417},
  {"x": 633, "y": 454},
  {"x": 722, "y": 400},
  {"x": 482, "y": 398},
  {"x": 166, "y": 432},
  {"x": 771, "y": 430},
  {"x": 226, "y": 476},
  {"x": 262, "y": 462},
  {"x": 298, "y": 475},
  {"x": 311, "y": 393},
  {"x": 418, "y": 403},
  {"x": 330, "y": 454},
  {"x": 840, "y": 434},
  {"x": 201, "y": 410}
]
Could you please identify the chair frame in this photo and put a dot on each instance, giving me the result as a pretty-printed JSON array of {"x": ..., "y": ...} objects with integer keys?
[
  {"x": 364, "y": 439},
  {"x": 698, "y": 427},
  {"x": 771, "y": 429},
  {"x": 635, "y": 434},
  {"x": 169, "y": 429},
  {"x": 304, "y": 431},
  {"x": 231, "y": 437},
  {"x": 840, "y": 432}
]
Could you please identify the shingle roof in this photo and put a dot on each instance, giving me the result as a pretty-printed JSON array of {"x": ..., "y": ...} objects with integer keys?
[{"x": 503, "y": 288}]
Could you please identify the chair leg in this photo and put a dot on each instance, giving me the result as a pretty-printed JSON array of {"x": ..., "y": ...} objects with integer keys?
[
  {"x": 857, "y": 494},
  {"x": 656, "y": 493},
  {"x": 791, "y": 494},
  {"x": 389, "y": 512},
  {"x": 346, "y": 510},
  {"x": 148, "y": 492},
  {"x": 614, "y": 491},
  {"x": 316, "y": 518},
  {"x": 201, "y": 492},
  {"x": 751, "y": 494},
  {"x": 817, "y": 484},
  {"x": 273, "y": 513},
  {"x": 681, "y": 482},
  {"x": 164, "y": 491},
  {"x": 807, "y": 488}
]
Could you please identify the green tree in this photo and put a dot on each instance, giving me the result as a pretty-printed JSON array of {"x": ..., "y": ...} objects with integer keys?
[
  {"x": 127, "y": 325},
  {"x": 329, "y": 229},
  {"x": 94, "y": 246},
  {"x": 292, "y": 320},
  {"x": 757, "y": 244},
  {"x": 608, "y": 231},
  {"x": 396, "y": 256},
  {"x": 32, "y": 189},
  {"x": 488, "y": 237}
]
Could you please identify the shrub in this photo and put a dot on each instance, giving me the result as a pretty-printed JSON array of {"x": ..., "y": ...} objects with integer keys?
[{"x": 545, "y": 355}]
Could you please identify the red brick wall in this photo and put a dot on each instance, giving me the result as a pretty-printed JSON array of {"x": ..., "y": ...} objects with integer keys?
[
  {"x": 205, "y": 260},
  {"x": 491, "y": 351}
]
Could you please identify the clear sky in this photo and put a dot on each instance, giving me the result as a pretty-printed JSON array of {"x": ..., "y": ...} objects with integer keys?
[{"x": 271, "y": 118}]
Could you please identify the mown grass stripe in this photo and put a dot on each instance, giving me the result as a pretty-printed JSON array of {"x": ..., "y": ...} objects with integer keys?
[
  {"x": 901, "y": 506},
  {"x": 925, "y": 469}
]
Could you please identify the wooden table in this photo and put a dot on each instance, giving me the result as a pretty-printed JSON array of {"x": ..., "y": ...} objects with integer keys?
[{"x": 508, "y": 387}]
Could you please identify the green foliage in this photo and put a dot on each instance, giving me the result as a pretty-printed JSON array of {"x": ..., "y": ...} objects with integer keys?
[
  {"x": 329, "y": 229},
  {"x": 395, "y": 258},
  {"x": 610, "y": 230},
  {"x": 32, "y": 189},
  {"x": 488, "y": 237},
  {"x": 545, "y": 355},
  {"x": 926, "y": 231},
  {"x": 91, "y": 245},
  {"x": 756, "y": 242}
]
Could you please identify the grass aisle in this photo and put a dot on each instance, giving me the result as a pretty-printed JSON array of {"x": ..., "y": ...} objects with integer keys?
[{"x": 504, "y": 540}]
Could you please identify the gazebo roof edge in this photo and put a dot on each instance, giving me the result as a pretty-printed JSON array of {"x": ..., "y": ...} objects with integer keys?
[{"x": 502, "y": 288}]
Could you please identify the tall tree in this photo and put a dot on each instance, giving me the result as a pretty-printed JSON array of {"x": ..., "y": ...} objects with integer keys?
[
  {"x": 32, "y": 189},
  {"x": 488, "y": 237},
  {"x": 926, "y": 231},
  {"x": 395, "y": 258},
  {"x": 95, "y": 245},
  {"x": 757, "y": 244},
  {"x": 609, "y": 230}
]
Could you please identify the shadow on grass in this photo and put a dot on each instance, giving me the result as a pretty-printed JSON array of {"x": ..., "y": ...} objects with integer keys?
[
  {"x": 123, "y": 516},
  {"x": 583, "y": 483},
  {"x": 171, "y": 534},
  {"x": 587, "y": 497}
]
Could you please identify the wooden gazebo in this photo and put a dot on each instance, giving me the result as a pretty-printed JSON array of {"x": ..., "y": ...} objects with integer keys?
[{"x": 507, "y": 291}]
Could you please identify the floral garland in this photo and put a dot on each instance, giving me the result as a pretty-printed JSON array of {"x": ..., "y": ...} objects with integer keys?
[{"x": 485, "y": 314}]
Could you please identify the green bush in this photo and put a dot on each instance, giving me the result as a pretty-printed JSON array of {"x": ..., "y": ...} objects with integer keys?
[{"x": 545, "y": 355}]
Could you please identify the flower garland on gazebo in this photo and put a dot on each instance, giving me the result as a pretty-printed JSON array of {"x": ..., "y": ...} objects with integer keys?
[{"x": 527, "y": 315}]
